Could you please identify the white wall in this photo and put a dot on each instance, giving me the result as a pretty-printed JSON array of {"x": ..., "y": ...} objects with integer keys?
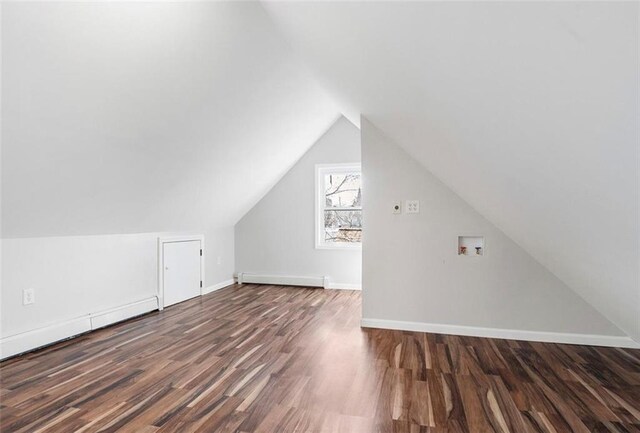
[
  {"x": 277, "y": 236},
  {"x": 412, "y": 273},
  {"x": 1, "y": 243},
  {"x": 220, "y": 255},
  {"x": 74, "y": 276},
  {"x": 527, "y": 110}
]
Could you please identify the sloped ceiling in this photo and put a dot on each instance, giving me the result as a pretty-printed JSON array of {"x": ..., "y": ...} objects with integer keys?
[
  {"x": 529, "y": 111},
  {"x": 127, "y": 117}
]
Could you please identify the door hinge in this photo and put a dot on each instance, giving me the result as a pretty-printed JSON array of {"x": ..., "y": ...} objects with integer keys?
[
  {"x": 200, "y": 252},
  {"x": 200, "y": 283}
]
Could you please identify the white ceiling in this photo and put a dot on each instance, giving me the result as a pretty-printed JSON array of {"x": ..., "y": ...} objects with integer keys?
[
  {"x": 128, "y": 117},
  {"x": 528, "y": 110}
]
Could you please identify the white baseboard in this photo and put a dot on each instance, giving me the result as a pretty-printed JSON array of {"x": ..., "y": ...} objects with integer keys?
[
  {"x": 341, "y": 286},
  {"x": 281, "y": 280},
  {"x": 106, "y": 318},
  {"x": 508, "y": 334},
  {"x": 30, "y": 340},
  {"x": 290, "y": 280},
  {"x": 218, "y": 286}
]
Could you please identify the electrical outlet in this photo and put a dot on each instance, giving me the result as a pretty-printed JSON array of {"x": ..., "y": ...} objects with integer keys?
[
  {"x": 413, "y": 206},
  {"x": 397, "y": 208},
  {"x": 28, "y": 296}
]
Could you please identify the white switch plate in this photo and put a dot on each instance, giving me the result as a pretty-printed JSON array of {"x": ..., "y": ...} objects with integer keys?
[
  {"x": 413, "y": 206},
  {"x": 28, "y": 296},
  {"x": 397, "y": 208}
]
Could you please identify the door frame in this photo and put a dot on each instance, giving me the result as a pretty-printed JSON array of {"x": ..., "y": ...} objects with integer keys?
[{"x": 169, "y": 239}]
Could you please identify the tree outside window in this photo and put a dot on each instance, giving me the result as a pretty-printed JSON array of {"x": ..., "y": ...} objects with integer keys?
[{"x": 339, "y": 206}]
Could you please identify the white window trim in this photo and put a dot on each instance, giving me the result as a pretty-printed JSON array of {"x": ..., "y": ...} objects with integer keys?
[{"x": 319, "y": 217}]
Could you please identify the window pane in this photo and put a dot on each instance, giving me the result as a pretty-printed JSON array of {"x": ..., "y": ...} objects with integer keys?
[
  {"x": 343, "y": 226},
  {"x": 343, "y": 190}
]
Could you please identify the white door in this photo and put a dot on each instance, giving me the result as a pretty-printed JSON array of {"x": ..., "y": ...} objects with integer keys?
[{"x": 181, "y": 271}]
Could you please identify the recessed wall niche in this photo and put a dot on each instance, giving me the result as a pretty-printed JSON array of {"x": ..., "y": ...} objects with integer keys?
[{"x": 471, "y": 246}]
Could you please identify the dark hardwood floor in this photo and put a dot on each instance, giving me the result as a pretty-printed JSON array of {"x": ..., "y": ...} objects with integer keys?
[{"x": 280, "y": 359}]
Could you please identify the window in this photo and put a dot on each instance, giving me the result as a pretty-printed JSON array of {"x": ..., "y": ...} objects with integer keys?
[{"x": 339, "y": 206}]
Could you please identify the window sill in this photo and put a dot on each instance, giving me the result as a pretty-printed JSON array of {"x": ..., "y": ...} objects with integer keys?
[{"x": 343, "y": 247}]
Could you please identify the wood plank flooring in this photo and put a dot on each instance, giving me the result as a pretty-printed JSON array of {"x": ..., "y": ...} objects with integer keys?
[{"x": 279, "y": 359}]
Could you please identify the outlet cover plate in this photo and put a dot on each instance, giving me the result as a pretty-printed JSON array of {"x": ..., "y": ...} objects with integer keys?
[
  {"x": 412, "y": 206},
  {"x": 397, "y": 207},
  {"x": 28, "y": 296}
]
